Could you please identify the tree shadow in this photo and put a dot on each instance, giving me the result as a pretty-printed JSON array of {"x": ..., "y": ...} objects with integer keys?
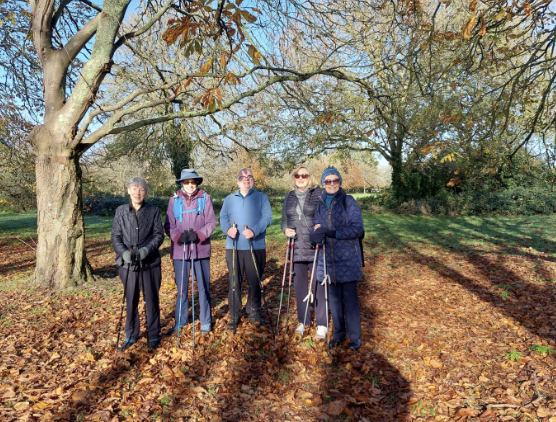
[{"x": 522, "y": 298}]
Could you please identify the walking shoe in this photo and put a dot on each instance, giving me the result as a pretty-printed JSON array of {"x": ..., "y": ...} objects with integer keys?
[
  {"x": 335, "y": 342},
  {"x": 205, "y": 329},
  {"x": 354, "y": 345},
  {"x": 259, "y": 320},
  {"x": 232, "y": 325},
  {"x": 170, "y": 331},
  {"x": 321, "y": 332},
  {"x": 299, "y": 330},
  {"x": 153, "y": 345},
  {"x": 127, "y": 344}
]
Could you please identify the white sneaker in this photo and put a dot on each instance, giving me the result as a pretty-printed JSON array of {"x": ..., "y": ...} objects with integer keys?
[
  {"x": 321, "y": 332},
  {"x": 299, "y": 329}
]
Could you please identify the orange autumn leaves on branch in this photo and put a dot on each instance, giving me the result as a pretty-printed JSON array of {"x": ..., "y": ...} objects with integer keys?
[
  {"x": 504, "y": 13},
  {"x": 206, "y": 21}
]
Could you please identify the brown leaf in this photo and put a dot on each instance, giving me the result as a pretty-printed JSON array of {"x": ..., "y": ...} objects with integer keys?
[
  {"x": 79, "y": 396},
  {"x": 473, "y": 5},
  {"x": 527, "y": 8},
  {"x": 500, "y": 15},
  {"x": 9, "y": 393},
  {"x": 466, "y": 411},
  {"x": 469, "y": 27},
  {"x": 543, "y": 412},
  {"x": 483, "y": 30},
  {"x": 21, "y": 406},
  {"x": 336, "y": 407}
]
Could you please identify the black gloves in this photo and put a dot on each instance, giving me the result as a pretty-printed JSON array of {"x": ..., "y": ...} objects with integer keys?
[
  {"x": 193, "y": 236},
  {"x": 184, "y": 238},
  {"x": 188, "y": 236}
]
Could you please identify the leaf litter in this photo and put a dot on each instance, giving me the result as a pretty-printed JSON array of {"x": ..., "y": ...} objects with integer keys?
[{"x": 439, "y": 327}]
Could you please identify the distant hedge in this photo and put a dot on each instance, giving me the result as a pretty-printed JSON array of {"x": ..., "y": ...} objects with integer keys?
[
  {"x": 518, "y": 201},
  {"x": 106, "y": 206}
]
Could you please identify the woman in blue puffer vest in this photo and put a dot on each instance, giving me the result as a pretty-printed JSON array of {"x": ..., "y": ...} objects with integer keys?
[{"x": 339, "y": 224}]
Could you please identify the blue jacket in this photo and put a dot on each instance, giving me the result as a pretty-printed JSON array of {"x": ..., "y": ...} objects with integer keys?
[
  {"x": 253, "y": 210},
  {"x": 343, "y": 256}
]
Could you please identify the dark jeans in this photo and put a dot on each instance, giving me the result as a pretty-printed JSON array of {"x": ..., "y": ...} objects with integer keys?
[
  {"x": 244, "y": 266},
  {"x": 302, "y": 271},
  {"x": 202, "y": 276},
  {"x": 343, "y": 300},
  {"x": 151, "y": 278}
]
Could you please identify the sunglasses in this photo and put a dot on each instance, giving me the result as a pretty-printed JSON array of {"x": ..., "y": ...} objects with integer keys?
[
  {"x": 189, "y": 182},
  {"x": 301, "y": 176},
  {"x": 245, "y": 178},
  {"x": 331, "y": 182}
]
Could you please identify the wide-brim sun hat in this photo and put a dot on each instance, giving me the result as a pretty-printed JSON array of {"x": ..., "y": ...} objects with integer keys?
[{"x": 189, "y": 174}]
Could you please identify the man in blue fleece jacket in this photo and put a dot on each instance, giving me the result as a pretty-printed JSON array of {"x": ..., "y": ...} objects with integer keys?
[{"x": 251, "y": 208}]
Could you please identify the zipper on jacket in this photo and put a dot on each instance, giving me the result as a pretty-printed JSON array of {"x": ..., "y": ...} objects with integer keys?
[{"x": 332, "y": 243}]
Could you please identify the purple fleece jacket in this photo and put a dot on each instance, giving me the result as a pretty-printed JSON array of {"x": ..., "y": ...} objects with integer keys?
[{"x": 203, "y": 224}]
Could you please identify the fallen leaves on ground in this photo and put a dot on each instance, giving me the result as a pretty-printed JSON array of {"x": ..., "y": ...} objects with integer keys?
[{"x": 441, "y": 341}]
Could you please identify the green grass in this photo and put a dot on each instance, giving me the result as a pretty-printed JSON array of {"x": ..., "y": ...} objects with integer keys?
[
  {"x": 385, "y": 232},
  {"x": 391, "y": 231}
]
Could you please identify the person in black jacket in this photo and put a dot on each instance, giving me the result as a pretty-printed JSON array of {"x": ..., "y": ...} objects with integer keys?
[
  {"x": 137, "y": 233},
  {"x": 297, "y": 219}
]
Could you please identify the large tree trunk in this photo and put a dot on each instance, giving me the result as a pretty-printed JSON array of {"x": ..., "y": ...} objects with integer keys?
[{"x": 61, "y": 260}]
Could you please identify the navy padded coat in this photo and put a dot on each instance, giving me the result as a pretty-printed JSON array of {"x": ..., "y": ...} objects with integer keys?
[{"x": 343, "y": 255}]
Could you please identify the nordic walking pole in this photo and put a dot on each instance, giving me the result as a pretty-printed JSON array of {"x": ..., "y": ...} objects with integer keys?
[
  {"x": 122, "y": 311},
  {"x": 234, "y": 274},
  {"x": 259, "y": 280},
  {"x": 144, "y": 299},
  {"x": 181, "y": 297},
  {"x": 290, "y": 285},
  {"x": 312, "y": 291},
  {"x": 193, "y": 294},
  {"x": 325, "y": 282},
  {"x": 283, "y": 282}
]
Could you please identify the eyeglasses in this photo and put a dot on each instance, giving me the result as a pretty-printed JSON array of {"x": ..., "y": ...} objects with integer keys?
[
  {"x": 245, "y": 178},
  {"x": 189, "y": 182},
  {"x": 331, "y": 182},
  {"x": 301, "y": 176}
]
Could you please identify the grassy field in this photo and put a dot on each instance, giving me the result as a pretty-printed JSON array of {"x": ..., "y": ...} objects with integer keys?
[{"x": 457, "y": 315}]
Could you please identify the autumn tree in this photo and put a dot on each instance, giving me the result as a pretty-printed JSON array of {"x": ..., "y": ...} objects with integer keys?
[{"x": 77, "y": 43}]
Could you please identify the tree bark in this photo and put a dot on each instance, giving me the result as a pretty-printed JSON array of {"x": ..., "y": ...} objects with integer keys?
[{"x": 61, "y": 260}]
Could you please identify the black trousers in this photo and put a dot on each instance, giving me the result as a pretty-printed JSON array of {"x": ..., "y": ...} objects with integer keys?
[
  {"x": 244, "y": 266},
  {"x": 302, "y": 272},
  {"x": 152, "y": 279}
]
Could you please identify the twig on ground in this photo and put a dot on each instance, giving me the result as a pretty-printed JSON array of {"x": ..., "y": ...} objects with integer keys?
[{"x": 23, "y": 241}]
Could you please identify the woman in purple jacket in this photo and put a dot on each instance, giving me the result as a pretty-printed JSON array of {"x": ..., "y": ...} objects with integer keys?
[
  {"x": 189, "y": 223},
  {"x": 338, "y": 223}
]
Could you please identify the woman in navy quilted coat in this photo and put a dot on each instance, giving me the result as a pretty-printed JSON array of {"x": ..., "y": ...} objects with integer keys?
[{"x": 338, "y": 222}]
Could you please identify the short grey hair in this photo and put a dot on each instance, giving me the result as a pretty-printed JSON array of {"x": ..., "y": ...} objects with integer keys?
[{"x": 138, "y": 181}]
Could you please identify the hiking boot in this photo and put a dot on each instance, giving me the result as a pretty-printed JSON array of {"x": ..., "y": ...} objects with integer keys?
[
  {"x": 336, "y": 342},
  {"x": 321, "y": 332},
  {"x": 354, "y": 345},
  {"x": 205, "y": 329},
  {"x": 127, "y": 344},
  {"x": 299, "y": 330},
  {"x": 232, "y": 325},
  {"x": 257, "y": 319},
  {"x": 153, "y": 345}
]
